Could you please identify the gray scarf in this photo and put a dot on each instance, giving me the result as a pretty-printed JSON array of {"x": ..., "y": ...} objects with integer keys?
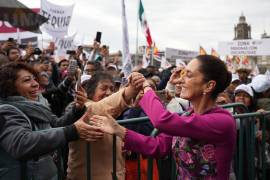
[{"x": 37, "y": 111}]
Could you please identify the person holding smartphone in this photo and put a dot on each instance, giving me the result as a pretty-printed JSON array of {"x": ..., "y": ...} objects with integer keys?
[{"x": 96, "y": 47}]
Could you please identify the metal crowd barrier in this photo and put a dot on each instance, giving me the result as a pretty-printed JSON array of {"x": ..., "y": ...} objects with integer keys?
[{"x": 246, "y": 134}]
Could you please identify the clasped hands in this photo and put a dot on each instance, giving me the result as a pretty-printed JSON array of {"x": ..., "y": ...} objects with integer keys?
[{"x": 92, "y": 127}]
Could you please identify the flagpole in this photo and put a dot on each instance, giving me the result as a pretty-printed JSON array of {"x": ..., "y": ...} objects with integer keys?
[
  {"x": 152, "y": 55},
  {"x": 137, "y": 44},
  {"x": 42, "y": 40},
  {"x": 127, "y": 64},
  {"x": 18, "y": 36}
]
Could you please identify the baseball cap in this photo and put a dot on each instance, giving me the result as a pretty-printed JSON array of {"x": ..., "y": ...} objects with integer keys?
[
  {"x": 244, "y": 88},
  {"x": 260, "y": 83}
]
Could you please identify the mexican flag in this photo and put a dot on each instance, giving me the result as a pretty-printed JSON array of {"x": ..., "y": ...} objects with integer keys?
[{"x": 144, "y": 24}]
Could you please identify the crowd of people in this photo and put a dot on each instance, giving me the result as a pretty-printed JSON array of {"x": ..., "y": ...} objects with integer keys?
[{"x": 56, "y": 117}]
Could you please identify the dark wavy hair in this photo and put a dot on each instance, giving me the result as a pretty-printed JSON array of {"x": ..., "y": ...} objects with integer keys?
[
  {"x": 9, "y": 75},
  {"x": 11, "y": 48},
  {"x": 215, "y": 69},
  {"x": 91, "y": 84},
  {"x": 97, "y": 65}
]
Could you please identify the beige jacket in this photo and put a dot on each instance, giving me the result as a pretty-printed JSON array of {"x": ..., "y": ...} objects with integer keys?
[{"x": 101, "y": 151}]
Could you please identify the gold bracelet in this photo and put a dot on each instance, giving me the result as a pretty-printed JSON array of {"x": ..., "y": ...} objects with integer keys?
[{"x": 146, "y": 86}]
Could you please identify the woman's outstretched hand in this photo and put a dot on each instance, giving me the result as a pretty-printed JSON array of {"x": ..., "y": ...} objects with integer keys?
[
  {"x": 85, "y": 130},
  {"x": 108, "y": 124}
]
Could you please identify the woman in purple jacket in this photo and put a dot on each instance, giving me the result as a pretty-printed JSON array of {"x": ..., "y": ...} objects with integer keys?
[{"x": 203, "y": 139}]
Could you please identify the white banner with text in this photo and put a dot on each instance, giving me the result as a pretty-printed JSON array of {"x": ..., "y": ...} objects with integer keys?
[
  {"x": 245, "y": 47},
  {"x": 59, "y": 18}
]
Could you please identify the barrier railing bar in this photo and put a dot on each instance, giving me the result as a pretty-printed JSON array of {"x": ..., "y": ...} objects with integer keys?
[
  {"x": 252, "y": 148},
  {"x": 263, "y": 148},
  {"x": 114, "y": 177},
  {"x": 133, "y": 120},
  {"x": 150, "y": 160},
  {"x": 253, "y": 114},
  {"x": 139, "y": 167},
  {"x": 88, "y": 161},
  {"x": 240, "y": 152}
]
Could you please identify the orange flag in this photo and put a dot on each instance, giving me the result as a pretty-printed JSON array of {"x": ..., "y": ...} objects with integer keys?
[
  {"x": 214, "y": 53},
  {"x": 245, "y": 60},
  {"x": 155, "y": 49},
  {"x": 202, "y": 51}
]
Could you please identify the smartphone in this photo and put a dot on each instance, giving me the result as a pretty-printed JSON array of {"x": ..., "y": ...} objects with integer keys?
[
  {"x": 98, "y": 36},
  {"x": 72, "y": 68},
  {"x": 37, "y": 51},
  {"x": 70, "y": 52},
  {"x": 124, "y": 81},
  {"x": 78, "y": 83}
]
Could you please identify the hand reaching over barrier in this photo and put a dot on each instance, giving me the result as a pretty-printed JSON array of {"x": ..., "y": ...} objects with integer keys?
[
  {"x": 108, "y": 125},
  {"x": 85, "y": 130}
]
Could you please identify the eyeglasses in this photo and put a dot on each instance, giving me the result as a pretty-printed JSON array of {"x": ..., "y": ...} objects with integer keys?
[{"x": 89, "y": 71}]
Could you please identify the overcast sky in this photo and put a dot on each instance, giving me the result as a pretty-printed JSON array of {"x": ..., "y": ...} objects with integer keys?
[{"x": 182, "y": 24}]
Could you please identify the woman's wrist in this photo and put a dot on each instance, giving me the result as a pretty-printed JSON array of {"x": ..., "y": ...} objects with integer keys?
[
  {"x": 121, "y": 132},
  {"x": 146, "y": 86}
]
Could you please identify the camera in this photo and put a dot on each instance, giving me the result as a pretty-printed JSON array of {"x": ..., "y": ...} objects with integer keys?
[
  {"x": 22, "y": 46},
  {"x": 10, "y": 40},
  {"x": 37, "y": 51},
  {"x": 71, "y": 52}
]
